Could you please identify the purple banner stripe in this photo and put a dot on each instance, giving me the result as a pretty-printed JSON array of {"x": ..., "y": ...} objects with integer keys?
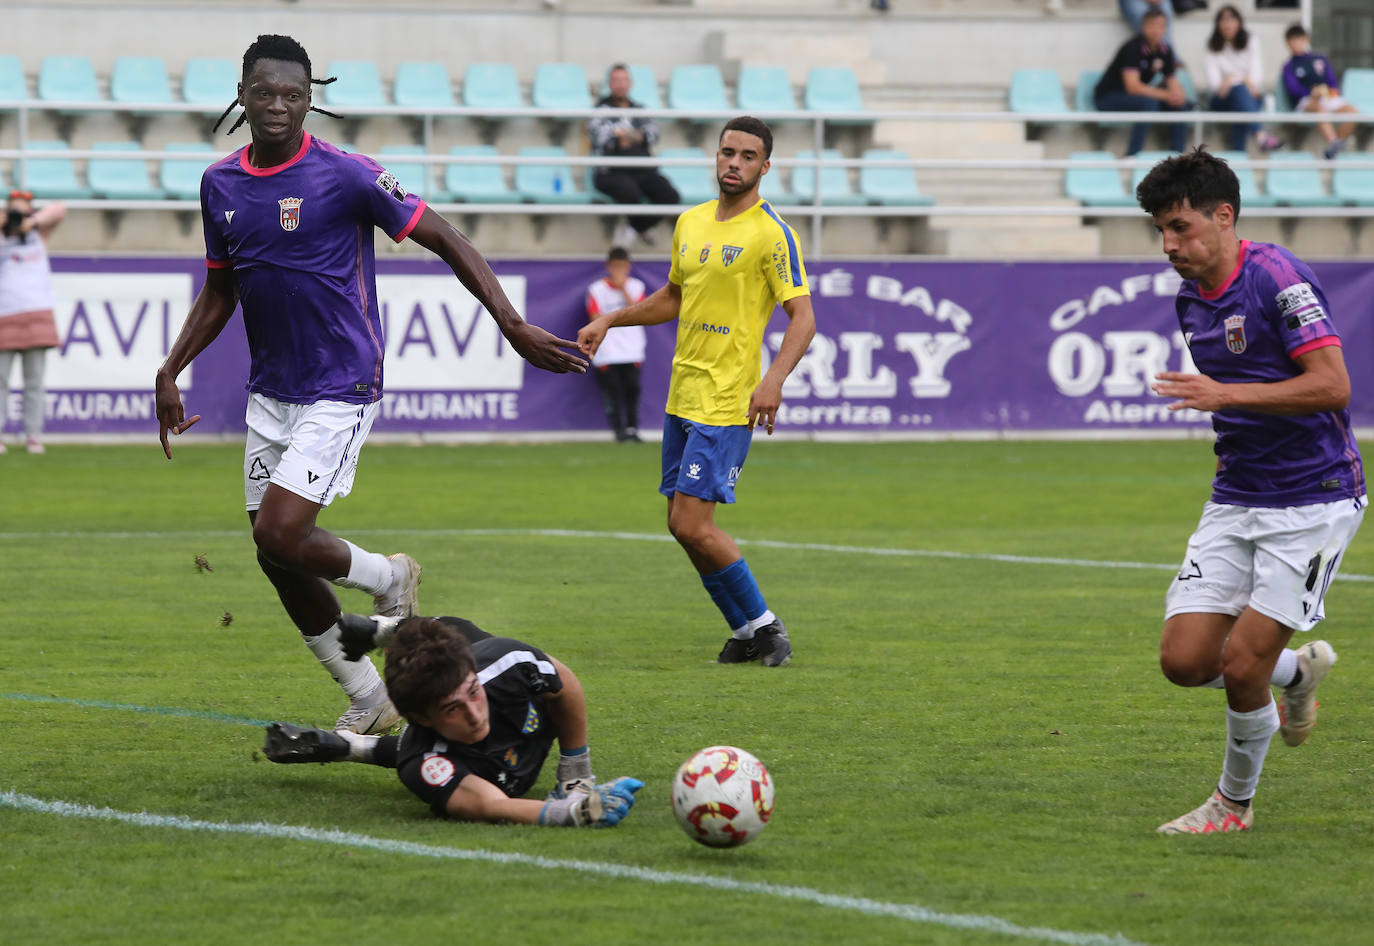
[{"x": 934, "y": 346}]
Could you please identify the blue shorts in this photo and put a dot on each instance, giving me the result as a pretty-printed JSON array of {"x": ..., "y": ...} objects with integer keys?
[{"x": 702, "y": 460}]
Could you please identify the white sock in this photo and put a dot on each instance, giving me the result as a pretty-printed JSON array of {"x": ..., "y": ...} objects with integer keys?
[
  {"x": 367, "y": 571},
  {"x": 745, "y": 633},
  {"x": 763, "y": 620},
  {"x": 1247, "y": 742},
  {"x": 357, "y": 677},
  {"x": 1286, "y": 669},
  {"x": 1218, "y": 684},
  {"x": 359, "y": 746}
]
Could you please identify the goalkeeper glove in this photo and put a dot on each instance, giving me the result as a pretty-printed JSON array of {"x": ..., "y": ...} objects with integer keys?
[
  {"x": 359, "y": 633},
  {"x": 574, "y": 774},
  {"x": 600, "y": 806}
]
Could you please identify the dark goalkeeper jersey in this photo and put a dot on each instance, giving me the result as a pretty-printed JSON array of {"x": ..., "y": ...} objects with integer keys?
[{"x": 517, "y": 677}]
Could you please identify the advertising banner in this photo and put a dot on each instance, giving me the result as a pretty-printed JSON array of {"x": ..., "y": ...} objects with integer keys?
[{"x": 929, "y": 346}]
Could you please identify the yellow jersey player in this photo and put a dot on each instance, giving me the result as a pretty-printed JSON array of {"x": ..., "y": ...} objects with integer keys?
[{"x": 734, "y": 259}]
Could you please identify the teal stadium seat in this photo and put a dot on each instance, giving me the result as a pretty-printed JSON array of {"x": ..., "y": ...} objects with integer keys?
[
  {"x": 643, "y": 86},
  {"x": 893, "y": 186},
  {"x": 180, "y": 178},
  {"x": 423, "y": 85},
  {"x": 1282, "y": 103},
  {"x": 1357, "y": 88},
  {"x": 1185, "y": 79},
  {"x": 493, "y": 86},
  {"x": 834, "y": 89},
  {"x": 413, "y": 177},
  {"x": 67, "y": 79},
  {"x": 359, "y": 84},
  {"x": 1150, "y": 159},
  {"x": 1083, "y": 92},
  {"x": 1096, "y": 187},
  {"x": 1036, "y": 91},
  {"x": 1299, "y": 185},
  {"x": 120, "y": 178},
  {"x": 211, "y": 83},
  {"x": 1250, "y": 194},
  {"x": 140, "y": 80},
  {"x": 1354, "y": 186},
  {"x": 765, "y": 89},
  {"x": 477, "y": 183},
  {"x": 547, "y": 183},
  {"x": 13, "y": 86},
  {"x": 51, "y": 177},
  {"x": 695, "y": 185},
  {"x": 561, "y": 85},
  {"x": 698, "y": 88},
  {"x": 773, "y": 188},
  {"x": 835, "y": 186}
]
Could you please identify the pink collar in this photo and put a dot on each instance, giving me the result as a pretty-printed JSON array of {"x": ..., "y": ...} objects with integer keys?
[
  {"x": 1240, "y": 260},
  {"x": 276, "y": 168}
]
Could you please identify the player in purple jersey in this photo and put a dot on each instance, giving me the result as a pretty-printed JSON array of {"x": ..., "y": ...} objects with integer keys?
[
  {"x": 1289, "y": 492},
  {"x": 288, "y": 235}
]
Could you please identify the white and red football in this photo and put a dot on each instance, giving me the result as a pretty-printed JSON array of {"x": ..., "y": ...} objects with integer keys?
[{"x": 722, "y": 796}]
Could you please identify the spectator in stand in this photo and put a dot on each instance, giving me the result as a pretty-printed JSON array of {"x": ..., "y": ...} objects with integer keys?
[
  {"x": 27, "y": 327},
  {"x": 1133, "y": 12},
  {"x": 1232, "y": 65},
  {"x": 628, "y": 138},
  {"x": 1312, "y": 86},
  {"x": 1141, "y": 78},
  {"x": 617, "y": 362}
]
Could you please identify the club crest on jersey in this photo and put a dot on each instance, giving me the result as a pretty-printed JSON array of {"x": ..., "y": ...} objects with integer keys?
[
  {"x": 531, "y": 721},
  {"x": 511, "y": 758},
  {"x": 728, "y": 253},
  {"x": 705, "y": 252},
  {"x": 290, "y": 212},
  {"x": 1235, "y": 334}
]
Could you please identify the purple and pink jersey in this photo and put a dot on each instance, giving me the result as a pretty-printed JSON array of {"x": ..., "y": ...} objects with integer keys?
[
  {"x": 1270, "y": 312},
  {"x": 299, "y": 239}
]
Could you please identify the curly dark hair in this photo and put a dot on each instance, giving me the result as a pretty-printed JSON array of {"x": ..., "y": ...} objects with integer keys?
[
  {"x": 752, "y": 126},
  {"x": 427, "y": 661},
  {"x": 1204, "y": 180}
]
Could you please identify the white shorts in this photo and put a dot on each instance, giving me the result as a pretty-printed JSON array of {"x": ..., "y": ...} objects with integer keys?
[
  {"x": 1278, "y": 561},
  {"x": 310, "y": 449}
]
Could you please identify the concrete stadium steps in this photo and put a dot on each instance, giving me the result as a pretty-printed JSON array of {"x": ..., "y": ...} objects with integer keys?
[
  {"x": 993, "y": 237},
  {"x": 797, "y": 47}
]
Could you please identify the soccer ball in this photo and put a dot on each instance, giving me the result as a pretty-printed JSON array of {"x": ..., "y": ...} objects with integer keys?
[{"x": 722, "y": 796}]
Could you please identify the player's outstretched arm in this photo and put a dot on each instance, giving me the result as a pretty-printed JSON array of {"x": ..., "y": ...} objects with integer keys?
[
  {"x": 1323, "y": 385},
  {"x": 662, "y": 305},
  {"x": 476, "y": 799},
  {"x": 567, "y": 712},
  {"x": 538, "y": 347},
  {"x": 767, "y": 397},
  {"x": 209, "y": 314}
]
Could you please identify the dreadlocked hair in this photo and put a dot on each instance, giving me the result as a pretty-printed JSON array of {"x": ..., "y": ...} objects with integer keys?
[{"x": 273, "y": 46}]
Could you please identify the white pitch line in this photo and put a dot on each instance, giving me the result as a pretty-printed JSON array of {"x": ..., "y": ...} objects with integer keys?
[
  {"x": 910, "y": 912},
  {"x": 652, "y": 537}
]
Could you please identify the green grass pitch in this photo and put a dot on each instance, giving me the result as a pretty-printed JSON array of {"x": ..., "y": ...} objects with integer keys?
[{"x": 970, "y": 736}]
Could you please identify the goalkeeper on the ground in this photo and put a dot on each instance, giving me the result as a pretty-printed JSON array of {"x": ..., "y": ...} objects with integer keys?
[{"x": 483, "y": 713}]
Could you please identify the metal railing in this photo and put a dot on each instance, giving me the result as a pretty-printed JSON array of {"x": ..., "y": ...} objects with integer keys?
[{"x": 814, "y": 207}]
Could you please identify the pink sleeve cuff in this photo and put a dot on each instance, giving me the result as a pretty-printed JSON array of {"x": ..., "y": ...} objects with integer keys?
[
  {"x": 218, "y": 263},
  {"x": 1323, "y": 342},
  {"x": 410, "y": 224}
]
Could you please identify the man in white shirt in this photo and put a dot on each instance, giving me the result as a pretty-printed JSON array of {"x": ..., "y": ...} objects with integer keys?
[{"x": 617, "y": 362}]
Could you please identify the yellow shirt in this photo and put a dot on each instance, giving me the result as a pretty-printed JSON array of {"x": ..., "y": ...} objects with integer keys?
[{"x": 732, "y": 273}]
